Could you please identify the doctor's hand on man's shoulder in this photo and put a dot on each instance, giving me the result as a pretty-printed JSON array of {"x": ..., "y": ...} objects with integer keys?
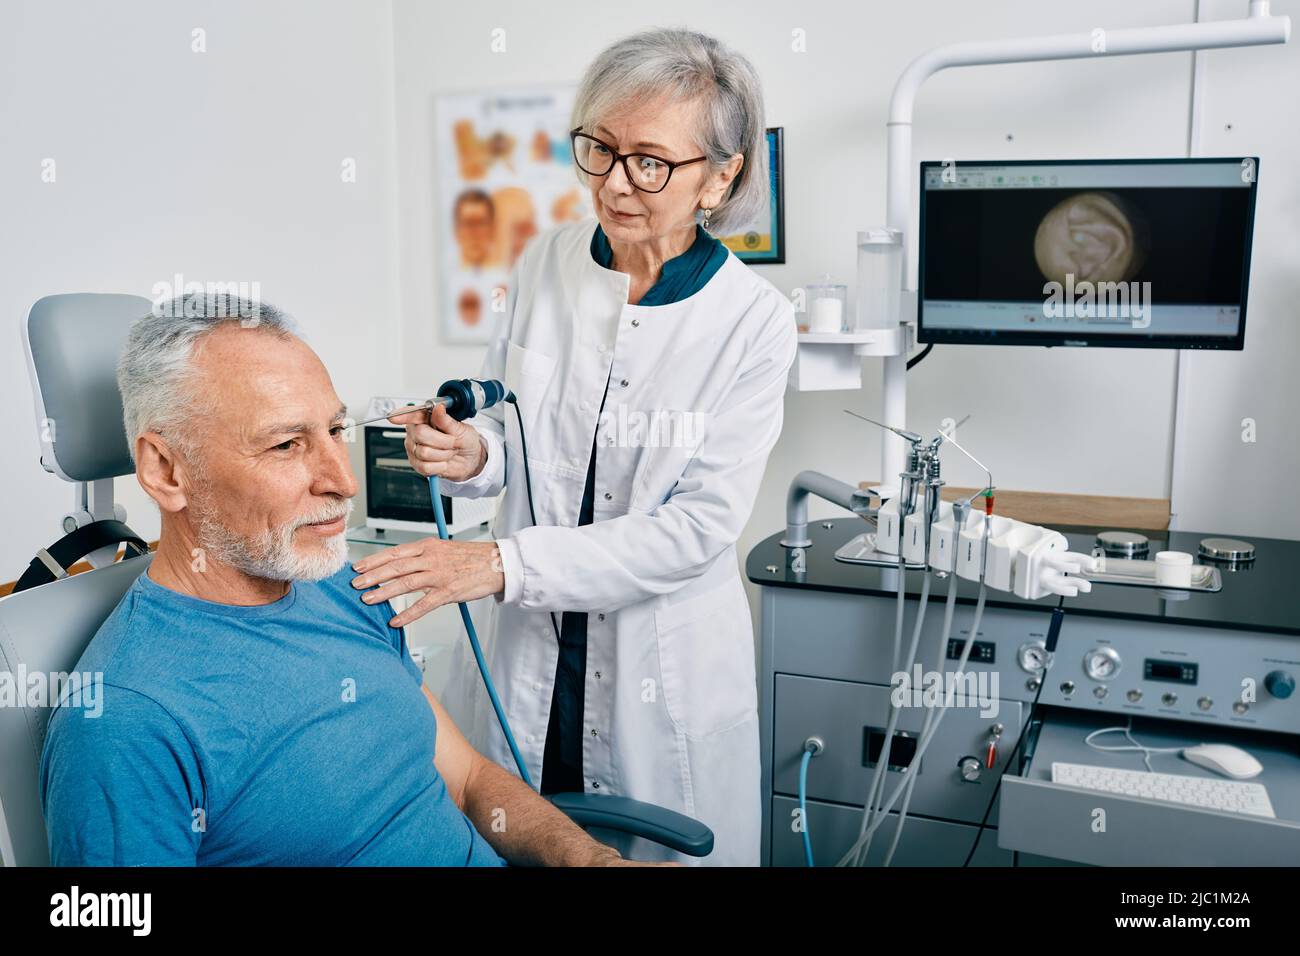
[
  {"x": 447, "y": 572},
  {"x": 437, "y": 444}
]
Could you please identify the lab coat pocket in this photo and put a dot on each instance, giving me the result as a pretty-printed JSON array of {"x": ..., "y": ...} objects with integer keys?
[
  {"x": 669, "y": 439},
  {"x": 706, "y": 660},
  {"x": 528, "y": 375}
]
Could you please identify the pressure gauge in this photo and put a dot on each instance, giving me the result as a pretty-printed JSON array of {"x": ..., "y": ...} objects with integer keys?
[
  {"x": 1033, "y": 657},
  {"x": 1101, "y": 663}
]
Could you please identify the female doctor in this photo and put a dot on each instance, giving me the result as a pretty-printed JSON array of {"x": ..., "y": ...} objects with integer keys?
[{"x": 649, "y": 366}]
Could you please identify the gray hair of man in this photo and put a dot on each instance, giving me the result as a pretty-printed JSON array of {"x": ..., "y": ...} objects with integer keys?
[
  {"x": 155, "y": 373},
  {"x": 685, "y": 65}
]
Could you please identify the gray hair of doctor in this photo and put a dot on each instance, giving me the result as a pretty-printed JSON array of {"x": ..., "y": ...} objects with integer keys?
[
  {"x": 686, "y": 65},
  {"x": 155, "y": 373}
]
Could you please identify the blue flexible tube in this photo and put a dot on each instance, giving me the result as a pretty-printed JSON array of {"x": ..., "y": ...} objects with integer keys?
[
  {"x": 441, "y": 519},
  {"x": 803, "y": 805}
]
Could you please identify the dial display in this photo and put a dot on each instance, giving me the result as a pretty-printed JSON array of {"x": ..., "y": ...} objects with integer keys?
[
  {"x": 1102, "y": 663},
  {"x": 1033, "y": 657}
]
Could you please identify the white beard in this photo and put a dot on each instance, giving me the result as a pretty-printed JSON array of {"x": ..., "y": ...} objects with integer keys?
[{"x": 271, "y": 555}]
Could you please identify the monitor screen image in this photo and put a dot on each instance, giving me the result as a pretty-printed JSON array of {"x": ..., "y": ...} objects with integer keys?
[{"x": 1151, "y": 253}]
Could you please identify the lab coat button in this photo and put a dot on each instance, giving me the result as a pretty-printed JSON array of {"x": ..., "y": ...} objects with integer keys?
[
  {"x": 608, "y": 496},
  {"x": 635, "y": 323},
  {"x": 597, "y": 675},
  {"x": 623, "y": 383},
  {"x": 537, "y": 685},
  {"x": 595, "y": 785},
  {"x": 594, "y": 733},
  {"x": 600, "y": 617}
]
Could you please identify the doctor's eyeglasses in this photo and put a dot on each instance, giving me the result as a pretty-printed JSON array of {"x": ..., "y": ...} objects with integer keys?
[{"x": 650, "y": 174}]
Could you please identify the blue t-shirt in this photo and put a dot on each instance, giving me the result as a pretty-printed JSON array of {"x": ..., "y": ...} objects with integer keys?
[{"x": 287, "y": 734}]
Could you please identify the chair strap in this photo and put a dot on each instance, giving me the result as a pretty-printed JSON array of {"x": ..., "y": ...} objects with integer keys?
[{"x": 53, "y": 562}]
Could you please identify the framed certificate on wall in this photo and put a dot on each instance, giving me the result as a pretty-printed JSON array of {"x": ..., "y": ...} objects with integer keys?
[{"x": 763, "y": 239}]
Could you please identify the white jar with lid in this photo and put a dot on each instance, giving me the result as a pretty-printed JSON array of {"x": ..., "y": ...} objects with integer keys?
[{"x": 826, "y": 307}]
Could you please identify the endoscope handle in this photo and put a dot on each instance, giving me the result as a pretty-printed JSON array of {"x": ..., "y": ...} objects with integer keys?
[{"x": 466, "y": 397}]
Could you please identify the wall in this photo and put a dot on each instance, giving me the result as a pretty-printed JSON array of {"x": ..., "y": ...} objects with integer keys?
[
  {"x": 1238, "y": 449},
  {"x": 1070, "y": 420},
  {"x": 227, "y": 165},
  {"x": 224, "y": 165}
]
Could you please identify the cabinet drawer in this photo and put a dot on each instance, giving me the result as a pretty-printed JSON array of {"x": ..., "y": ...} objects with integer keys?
[
  {"x": 833, "y": 829},
  {"x": 840, "y": 713},
  {"x": 1041, "y": 817}
]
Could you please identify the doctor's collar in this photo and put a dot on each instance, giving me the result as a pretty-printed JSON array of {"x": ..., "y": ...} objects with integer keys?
[{"x": 603, "y": 253}]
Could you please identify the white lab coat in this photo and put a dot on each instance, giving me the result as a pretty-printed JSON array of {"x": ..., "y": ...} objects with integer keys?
[{"x": 670, "y": 698}]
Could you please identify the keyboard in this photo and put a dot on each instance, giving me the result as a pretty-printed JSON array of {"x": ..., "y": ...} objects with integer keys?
[{"x": 1232, "y": 796}]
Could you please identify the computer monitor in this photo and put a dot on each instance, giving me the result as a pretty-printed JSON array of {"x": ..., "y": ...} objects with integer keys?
[{"x": 1148, "y": 253}]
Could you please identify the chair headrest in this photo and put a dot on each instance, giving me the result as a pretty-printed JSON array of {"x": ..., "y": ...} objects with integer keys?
[{"x": 73, "y": 343}]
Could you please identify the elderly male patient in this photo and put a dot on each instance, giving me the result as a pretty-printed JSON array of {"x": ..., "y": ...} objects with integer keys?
[{"x": 255, "y": 711}]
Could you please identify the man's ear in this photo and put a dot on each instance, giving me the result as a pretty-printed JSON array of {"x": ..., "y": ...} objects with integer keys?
[{"x": 161, "y": 472}]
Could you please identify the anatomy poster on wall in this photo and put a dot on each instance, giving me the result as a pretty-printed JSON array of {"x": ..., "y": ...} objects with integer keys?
[{"x": 505, "y": 173}]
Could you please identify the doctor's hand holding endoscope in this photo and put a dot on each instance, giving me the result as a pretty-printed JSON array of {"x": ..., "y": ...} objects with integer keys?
[
  {"x": 645, "y": 369},
  {"x": 437, "y": 444}
]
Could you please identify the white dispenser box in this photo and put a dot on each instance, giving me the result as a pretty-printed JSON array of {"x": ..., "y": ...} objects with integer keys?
[{"x": 880, "y": 278}]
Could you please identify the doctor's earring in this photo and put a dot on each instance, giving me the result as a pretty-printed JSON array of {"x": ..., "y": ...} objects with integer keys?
[{"x": 707, "y": 214}]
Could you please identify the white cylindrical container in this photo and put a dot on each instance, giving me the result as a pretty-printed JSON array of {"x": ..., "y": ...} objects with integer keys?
[
  {"x": 826, "y": 307},
  {"x": 880, "y": 278},
  {"x": 1174, "y": 569}
]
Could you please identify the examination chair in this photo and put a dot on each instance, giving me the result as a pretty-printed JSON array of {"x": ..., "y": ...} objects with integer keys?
[{"x": 73, "y": 343}]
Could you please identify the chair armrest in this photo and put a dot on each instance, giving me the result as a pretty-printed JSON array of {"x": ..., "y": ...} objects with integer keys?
[{"x": 658, "y": 824}]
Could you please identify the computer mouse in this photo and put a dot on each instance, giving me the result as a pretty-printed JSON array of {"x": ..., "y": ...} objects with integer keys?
[{"x": 1221, "y": 758}]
